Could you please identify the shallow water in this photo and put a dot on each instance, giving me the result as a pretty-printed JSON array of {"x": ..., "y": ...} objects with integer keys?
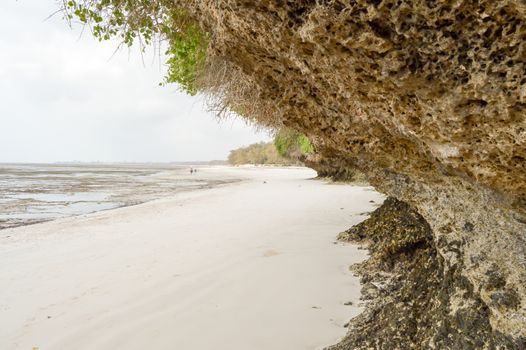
[{"x": 32, "y": 193}]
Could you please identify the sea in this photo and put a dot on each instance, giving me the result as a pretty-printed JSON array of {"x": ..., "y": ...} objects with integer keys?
[{"x": 34, "y": 193}]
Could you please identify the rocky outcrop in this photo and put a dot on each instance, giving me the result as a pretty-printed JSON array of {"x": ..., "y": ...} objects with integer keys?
[
  {"x": 427, "y": 98},
  {"x": 413, "y": 300}
]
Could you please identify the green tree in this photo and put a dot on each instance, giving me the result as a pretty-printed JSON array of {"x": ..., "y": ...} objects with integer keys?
[
  {"x": 292, "y": 145},
  {"x": 145, "y": 22},
  {"x": 259, "y": 153}
]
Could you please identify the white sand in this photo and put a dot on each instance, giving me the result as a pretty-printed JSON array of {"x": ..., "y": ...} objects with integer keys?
[{"x": 245, "y": 266}]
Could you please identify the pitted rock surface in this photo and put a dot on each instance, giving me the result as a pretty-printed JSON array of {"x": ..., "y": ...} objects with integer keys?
[
  {"x": 427, "y": 98},
  {"x": 416, "y": 303}
]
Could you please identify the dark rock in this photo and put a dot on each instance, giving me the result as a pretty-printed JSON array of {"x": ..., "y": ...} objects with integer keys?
[{"x": 422, "y": 305}]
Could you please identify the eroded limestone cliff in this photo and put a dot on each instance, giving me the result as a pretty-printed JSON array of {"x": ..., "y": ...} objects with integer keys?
[{"x": 427, "y": 98}]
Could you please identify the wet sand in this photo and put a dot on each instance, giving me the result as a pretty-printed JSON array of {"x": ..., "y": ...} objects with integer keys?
[
  {"x": 34, "y": 193},
  {"x": 250, "y": 265}
]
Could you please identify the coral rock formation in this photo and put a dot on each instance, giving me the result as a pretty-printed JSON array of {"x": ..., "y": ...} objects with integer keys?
[
  {"x": 413, "y": 301},
  {"x": 427, "y": 98}
]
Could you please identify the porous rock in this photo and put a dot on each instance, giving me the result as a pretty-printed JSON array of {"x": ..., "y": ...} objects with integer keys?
[{"x": 425, "y": 97}]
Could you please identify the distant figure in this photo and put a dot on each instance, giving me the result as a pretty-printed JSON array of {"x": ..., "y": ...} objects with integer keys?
[{"x": 191, "y": 170}]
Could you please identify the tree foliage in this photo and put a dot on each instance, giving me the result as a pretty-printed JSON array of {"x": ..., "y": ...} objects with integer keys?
[
  {"x": 288, "y": 148},
  {"x": 148, "y": 22},
  {"x": 292, "y": 145},
  {"x": 259, "y": 153}
]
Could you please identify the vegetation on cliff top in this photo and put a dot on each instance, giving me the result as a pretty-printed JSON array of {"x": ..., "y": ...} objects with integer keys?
[{"x": 148, "y": 22}]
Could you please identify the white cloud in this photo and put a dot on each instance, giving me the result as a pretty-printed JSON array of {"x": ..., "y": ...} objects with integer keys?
[{"x": 66, "y": 97}]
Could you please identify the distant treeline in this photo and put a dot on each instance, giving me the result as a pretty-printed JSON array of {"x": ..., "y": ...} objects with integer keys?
[
  {"x": 259, "y": 153},
  {"x": 287, "y": 149}
]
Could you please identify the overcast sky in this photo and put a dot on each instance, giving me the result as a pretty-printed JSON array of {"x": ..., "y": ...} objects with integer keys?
[{"x": 63, "y": 97}]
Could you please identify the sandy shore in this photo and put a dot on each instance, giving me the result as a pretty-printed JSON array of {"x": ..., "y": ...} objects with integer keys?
[{"x": 249, "y": 266}]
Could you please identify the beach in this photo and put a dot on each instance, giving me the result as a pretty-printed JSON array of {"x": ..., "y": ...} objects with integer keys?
[{"x": 252, "y": 264}]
